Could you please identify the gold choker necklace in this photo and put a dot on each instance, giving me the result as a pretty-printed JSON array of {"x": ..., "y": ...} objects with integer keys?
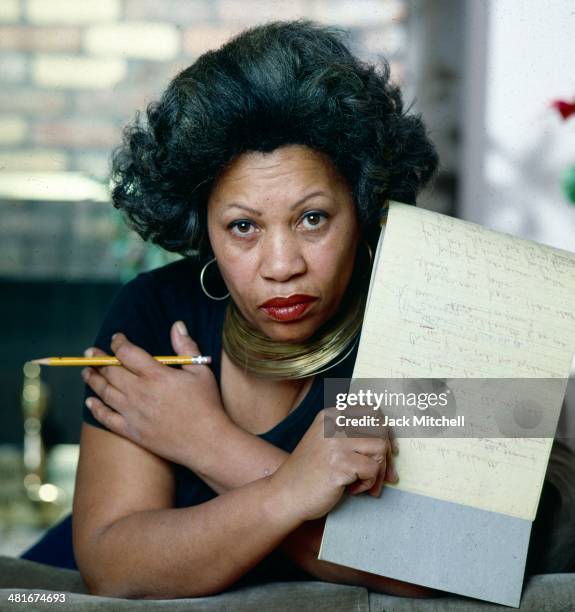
[{"x": 255, "y": 353}]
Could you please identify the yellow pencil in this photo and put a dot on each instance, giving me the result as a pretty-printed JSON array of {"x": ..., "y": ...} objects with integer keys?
[{"x": 110, "y": 361}]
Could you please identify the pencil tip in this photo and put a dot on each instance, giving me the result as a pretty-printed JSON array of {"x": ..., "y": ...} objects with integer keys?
[{"x": 39, "y": 361}]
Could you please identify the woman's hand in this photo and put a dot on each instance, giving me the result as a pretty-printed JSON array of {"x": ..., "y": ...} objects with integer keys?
[
  {"x": 176, "y": 414},
  {"x": 316, "y": 474}
]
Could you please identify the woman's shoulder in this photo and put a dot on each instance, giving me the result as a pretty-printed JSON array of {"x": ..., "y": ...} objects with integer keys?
[
  {"x": 156, "y": 298},
  {"x": 185, "y": 269},
  {"x": 174, "y": 281},
  {"x": 147, "y": 306}
]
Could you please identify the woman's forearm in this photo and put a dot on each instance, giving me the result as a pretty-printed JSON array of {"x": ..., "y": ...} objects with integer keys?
[
  {"x": 241, "y": 458},
  {"x": 186, "y": 552},
  {"x": 247, "y": 457}
]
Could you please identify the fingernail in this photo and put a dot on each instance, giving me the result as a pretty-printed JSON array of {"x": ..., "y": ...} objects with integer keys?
[
  {"x": 88, "y": 403},
  {"x": 114, "y": 336},
  {"x": 182, "y": 330},
  {"x": 394, "y": 475},
  {"x": 89, "y": 352},
  {"x": 85, "y": 373}
]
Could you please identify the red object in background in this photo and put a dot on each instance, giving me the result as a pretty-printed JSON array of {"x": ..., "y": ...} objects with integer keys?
[{"x": 566, "y": 109}]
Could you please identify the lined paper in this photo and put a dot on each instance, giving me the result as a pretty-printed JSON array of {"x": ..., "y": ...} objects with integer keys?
[{"x": 449, "y": 299}]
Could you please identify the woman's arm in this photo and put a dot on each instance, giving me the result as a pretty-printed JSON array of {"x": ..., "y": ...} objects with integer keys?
[
  {"x": 129, "y": 542},
  {"x": 180, "y": 416},
  {"x": 243, "y": 458},
  {"x": 260, "y": 458}
]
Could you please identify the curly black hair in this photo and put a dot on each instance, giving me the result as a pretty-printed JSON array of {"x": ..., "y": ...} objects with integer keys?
[{"x": 281, "y": 83}]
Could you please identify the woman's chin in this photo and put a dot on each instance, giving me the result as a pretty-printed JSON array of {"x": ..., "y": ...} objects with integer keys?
[{"x": 292, "y": 333}]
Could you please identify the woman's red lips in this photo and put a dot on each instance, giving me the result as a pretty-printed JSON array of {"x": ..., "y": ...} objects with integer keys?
[
  {"x": 288, "y": 301},
  {"x": 288, "y": 309}
]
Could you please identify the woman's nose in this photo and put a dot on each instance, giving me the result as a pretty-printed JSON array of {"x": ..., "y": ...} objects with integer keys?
[{"x": 281, "y": 258}]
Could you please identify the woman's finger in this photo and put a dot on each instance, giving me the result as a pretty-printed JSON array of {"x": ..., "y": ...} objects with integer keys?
[
  {"x": 387, "y": 472},
  {"x": 183, "y": 343},
  {"x": 106, "y": 391},
  {"x": 390, "y": 474},
  {"x": 377, "y": 488},
  {"x": 393, "y": 441},
  {"x": 94, "y": 351},
  {"x": 134, "y": 358},
  {"x": 366, "y": 470},
  {"x": 118, "y": 376},
  {"x": 106, "y": 416},
  {"x": 354, "y": 488},
  {"x": 372, "y": 446}
]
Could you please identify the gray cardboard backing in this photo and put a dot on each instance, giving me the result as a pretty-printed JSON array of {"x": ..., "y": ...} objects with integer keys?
[{"x": 430, "y": 542}]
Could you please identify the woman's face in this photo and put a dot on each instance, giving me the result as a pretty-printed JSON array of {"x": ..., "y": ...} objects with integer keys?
[{"x": 283, "y": 225}]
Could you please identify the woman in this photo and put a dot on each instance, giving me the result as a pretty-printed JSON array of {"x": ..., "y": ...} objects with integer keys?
[{"x": 268, "y": 164}]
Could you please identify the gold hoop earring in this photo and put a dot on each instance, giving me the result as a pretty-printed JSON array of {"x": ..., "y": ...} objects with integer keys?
[{"x": 202, "y": 274}]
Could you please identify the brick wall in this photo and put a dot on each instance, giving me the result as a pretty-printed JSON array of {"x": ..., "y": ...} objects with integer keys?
[{"x": 74, "y": 72}]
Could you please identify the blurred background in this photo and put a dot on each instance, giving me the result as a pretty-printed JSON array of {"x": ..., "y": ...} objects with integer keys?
[{"x": 484, "y": 74}]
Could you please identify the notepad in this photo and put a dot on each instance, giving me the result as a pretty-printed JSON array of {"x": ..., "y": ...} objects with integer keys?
[{"x": 452, "y": 299}]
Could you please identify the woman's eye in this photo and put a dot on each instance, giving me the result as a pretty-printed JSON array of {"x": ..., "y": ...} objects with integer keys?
[
  {"x": 313, "y": 220},
  {"x": 241, "y": 228}
]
